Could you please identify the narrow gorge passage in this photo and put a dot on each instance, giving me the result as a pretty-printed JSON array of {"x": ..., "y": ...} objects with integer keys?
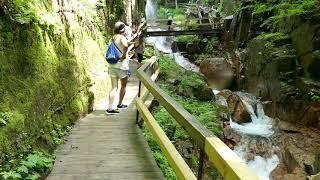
[{"x": 247, "y": 72}]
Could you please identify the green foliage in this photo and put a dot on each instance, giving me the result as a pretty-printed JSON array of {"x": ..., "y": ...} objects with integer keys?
[
  {"x": 212, "y": 45},
  {"x": 187, "y": 38},
  {"x": 5, "y": 118},
  {"x": 261, "y": 8},
  {"x": 273, "y": 38},
  {"x": 148, "y": 52},
  {"x": 169, "y": 68},
  {"x": 178, "y": 14},
  {"x": 204, "y": 111},
  {"x": 31, "y": 167},
  {"x": 220, "y": 8},
  {"x": 201, "y": 57},
  {"x": 278, "y": 11},
  {"x": 159, "y": 156},
  {"x": 43, "y": 78},
  {"x": 314, "y": 97},
  {"x": 11, "y": 175}
]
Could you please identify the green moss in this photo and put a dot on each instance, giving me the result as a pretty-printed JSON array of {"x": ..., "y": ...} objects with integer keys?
[
  {"x": 159, "y": 156},
  {"x": 187, "y": 38},
  {"x": 272, "y": 36},
  {"x": 261, "y": 9},
  {"x": 221, "y": 8},
  {"x": 43, "y": 78},
  {"x": 170, "y": 69},
  {"x": 178, "y": 14}
]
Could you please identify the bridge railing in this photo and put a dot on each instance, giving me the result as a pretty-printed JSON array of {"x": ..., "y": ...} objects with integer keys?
[{"x": 229, "y": 165}]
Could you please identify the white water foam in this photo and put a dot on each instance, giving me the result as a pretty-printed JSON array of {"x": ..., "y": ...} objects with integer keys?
[
  {"x": 261, "y": 124},
  {"x": 261, "y": 166},
  {"x": 182, "y": 61}
]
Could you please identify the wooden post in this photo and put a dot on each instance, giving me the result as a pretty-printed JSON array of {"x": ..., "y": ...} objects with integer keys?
[
  {"x": 139, "y": 91},
  {"x": 201, "y": 163}
]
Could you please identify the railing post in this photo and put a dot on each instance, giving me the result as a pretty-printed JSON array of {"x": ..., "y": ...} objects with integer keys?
[
  {"x": 139, "y": 92},
  {"x": 201, "y": 163}
]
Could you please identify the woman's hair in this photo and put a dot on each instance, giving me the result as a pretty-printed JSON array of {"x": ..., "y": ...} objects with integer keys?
[{"x": 120, "y": 29}]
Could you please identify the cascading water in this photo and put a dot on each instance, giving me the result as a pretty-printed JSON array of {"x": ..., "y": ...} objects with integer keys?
[
  {"x": 164, "y": 43},
  {"x": 259, "y": 131},
  {"x": 151, "y": 11},
  {"x": 259, "y": 127},
  {"x": 182, "y": 61},
  {"x": 261, "y": 124}
]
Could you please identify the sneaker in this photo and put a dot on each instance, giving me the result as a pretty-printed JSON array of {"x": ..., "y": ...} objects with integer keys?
[
  {"x": 122, "y": 106},
  {"x": 113, "y": 111}
]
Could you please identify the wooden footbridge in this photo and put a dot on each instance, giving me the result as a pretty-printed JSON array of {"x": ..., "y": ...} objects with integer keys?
[
  {"x": 161, "y": 28},
  {"x": 191, "y": 25},
  {"x": 113, "y": 147}
]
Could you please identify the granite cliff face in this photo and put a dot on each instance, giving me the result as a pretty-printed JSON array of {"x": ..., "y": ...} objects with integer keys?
[{"x": 274, "y": 49}]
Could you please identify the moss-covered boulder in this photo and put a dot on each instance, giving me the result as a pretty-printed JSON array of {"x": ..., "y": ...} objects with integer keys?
[{"x": 186, "y": 83}]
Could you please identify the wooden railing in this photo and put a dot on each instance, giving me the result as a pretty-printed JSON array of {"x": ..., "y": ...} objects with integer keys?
[{"x": 229, "y": 165}]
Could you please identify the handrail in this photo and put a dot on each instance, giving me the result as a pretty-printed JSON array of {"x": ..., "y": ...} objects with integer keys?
[
  {"x": 230, "y": 166},
  {"x": 174, "y": 158}
]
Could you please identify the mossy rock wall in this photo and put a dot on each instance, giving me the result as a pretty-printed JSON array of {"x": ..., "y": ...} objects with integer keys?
[
  {"x": 277, "y": 45},
  {"x": 48, "y": 79}
]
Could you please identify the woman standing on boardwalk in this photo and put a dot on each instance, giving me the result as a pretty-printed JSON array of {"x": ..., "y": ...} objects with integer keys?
[{"x": 120, "y": 69}]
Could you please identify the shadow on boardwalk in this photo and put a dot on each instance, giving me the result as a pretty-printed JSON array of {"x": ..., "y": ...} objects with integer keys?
[{"x": 106, "y": 147}]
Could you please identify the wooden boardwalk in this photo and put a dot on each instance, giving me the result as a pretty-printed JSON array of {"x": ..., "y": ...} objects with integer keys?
[{"x": 106, "y": 147}]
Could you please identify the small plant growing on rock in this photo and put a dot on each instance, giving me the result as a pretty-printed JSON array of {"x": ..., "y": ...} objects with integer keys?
[{"x": 30, "y": 168}]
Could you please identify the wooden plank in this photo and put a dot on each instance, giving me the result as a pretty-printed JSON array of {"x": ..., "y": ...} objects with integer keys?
[
  {"x": 183, "y": 32},
  {"x": 175, "y": 160},
  {"x": 195, "y": 129},
  {"x": 230, "y": 166}
]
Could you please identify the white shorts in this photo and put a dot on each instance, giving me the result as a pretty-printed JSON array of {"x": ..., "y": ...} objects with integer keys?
[{"x": 117, "y": 73}]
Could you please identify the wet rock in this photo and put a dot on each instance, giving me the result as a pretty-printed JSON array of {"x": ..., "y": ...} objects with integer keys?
[
  {"x": 288, "y": 127},
  {"x": 236, "y": 107},
  {"x": 289, "y": 158},
  {"x": 314, "y": 66},
  {"x": 279, "y": 172},
  {"x": 239, "y": 113},
  {"x": 218, "y": 72},
  {"x": 311, "y": 115},
  {"x": 298, "y": 175}
]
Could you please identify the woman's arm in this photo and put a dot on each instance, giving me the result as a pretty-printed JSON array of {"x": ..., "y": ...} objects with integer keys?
[{"x": 124, "y": 43}]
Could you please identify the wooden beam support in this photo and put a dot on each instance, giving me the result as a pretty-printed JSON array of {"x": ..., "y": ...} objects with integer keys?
[{"x": 183, "y": 32}]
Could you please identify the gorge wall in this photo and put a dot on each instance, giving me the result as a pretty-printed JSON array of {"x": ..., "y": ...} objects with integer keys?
[
  {"x": 273, "y": 47},
  {"x": 52, "y": 71}
]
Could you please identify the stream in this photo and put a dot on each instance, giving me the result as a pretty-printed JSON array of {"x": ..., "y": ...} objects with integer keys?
[{"x": 256, "y": 134}]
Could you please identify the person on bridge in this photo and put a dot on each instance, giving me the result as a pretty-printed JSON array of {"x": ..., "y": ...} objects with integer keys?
[
  {"x": 119, "y": 70},
  {"x": 169, "y": 16}
]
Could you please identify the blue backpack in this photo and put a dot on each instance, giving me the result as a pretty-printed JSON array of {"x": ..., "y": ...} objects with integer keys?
[{"x": 113, "y": 53}]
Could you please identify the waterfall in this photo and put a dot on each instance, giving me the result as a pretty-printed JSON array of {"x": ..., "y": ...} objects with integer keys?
[
  {"x": 164, "y": 43},
  {"x": 261, "y": 126},
  {"x": 185, "y": 63},
  {"x": 151, "y": 11}
]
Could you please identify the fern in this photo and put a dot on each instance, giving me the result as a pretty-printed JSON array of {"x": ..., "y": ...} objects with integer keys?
[{"x": 11, "y": 175}]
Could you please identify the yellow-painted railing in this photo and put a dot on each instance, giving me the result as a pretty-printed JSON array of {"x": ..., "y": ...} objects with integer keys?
[{"x": 229, "y": 165}]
